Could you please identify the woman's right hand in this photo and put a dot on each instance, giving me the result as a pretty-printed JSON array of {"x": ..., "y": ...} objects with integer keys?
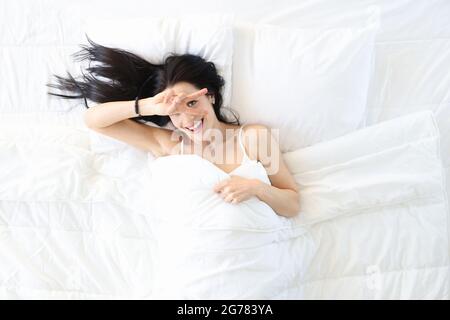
[{"x": 167, "y": 103}]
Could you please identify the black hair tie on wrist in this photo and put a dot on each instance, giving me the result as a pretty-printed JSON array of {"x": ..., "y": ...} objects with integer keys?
[
  {"x": 136, "y": 107},
  {"x": 136, "y": 103}
]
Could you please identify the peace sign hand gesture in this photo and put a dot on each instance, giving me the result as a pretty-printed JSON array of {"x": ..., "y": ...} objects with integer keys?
[{"x": 167, "y": 103}]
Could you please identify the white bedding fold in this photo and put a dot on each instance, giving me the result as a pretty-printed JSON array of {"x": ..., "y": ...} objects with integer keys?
[{"x": 75, "y": 224}]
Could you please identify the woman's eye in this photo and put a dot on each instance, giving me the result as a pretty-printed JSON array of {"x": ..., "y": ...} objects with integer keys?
[{"x": 191, "y": 103}]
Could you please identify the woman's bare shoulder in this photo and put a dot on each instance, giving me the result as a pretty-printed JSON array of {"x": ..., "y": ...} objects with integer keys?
[
  {"x": 255, "y": 128},
  {"x": 255, "y": 136},
  {"x": 171, "y": 142}
]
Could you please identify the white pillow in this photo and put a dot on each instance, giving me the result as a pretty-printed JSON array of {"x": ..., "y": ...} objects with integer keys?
[
  {"x": 311, "y": 84},
  {"x": 209, "y": 36}
]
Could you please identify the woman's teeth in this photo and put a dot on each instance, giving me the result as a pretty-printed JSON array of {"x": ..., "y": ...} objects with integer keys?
[{"x": 198, "y": 125}]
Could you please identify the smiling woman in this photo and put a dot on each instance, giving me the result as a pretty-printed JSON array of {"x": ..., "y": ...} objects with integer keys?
[
  {"x": 185, "y": 90},
  {"x": 204, "y": 207},
  {"x": 119, "y": 75}
]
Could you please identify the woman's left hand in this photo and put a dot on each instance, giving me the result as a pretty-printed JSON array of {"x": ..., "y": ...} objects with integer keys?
[{"x": 237, "y": 189}]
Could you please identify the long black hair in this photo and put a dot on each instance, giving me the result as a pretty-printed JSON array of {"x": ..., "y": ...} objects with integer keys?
[{"x": 127, "y": 75}]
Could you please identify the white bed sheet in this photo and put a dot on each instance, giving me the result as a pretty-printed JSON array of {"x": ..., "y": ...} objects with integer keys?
[
  {"x": 412, "y": 48},
  {"x": 78, "y": 224}
]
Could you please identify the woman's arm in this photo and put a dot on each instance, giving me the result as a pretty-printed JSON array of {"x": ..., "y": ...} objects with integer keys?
[
  {"x": 235, "y": 189},
  {"x": 106, "y": 114},
  {"x": 112, "y": 119},
  {"x": 282, "y": 196},
  {"x": 284, "y": 202},
  {"x": 164, "y": 103}
]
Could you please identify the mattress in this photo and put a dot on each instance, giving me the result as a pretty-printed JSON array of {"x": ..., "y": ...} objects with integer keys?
[{"x": 412, "y": 56}]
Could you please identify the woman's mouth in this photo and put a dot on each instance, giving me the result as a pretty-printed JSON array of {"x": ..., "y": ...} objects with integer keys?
[{"x": 197, "y": 127}]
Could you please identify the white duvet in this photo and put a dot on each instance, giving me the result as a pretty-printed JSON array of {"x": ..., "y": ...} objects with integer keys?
[
  {"x": 210, "y": 249},
  {"x": 76, "y": 224}
]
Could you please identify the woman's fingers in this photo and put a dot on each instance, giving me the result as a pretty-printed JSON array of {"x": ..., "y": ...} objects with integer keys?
[
  {"x": 197, "y": 94},
  {"x": 172, "y": 109},
  {"x": 168, "y": 96},
  {"x": 176, "y": 101},
  {"x": 183, "y": 96},
  {"x": 179, "y": 98},
  {"x": 185, "y": 109}
]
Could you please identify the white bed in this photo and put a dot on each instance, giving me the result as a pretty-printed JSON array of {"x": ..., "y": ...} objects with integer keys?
[{"x": 64, "y": 233}]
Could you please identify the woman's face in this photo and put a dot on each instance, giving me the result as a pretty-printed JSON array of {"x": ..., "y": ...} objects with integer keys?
[{"x": 194, "y": 125}]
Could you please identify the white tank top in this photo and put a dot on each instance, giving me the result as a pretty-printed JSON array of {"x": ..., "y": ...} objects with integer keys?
[
  {"x": 251, "y": 169},
  {"x": 188, "y": 175},
  {"x": 182, "y": 183}
]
